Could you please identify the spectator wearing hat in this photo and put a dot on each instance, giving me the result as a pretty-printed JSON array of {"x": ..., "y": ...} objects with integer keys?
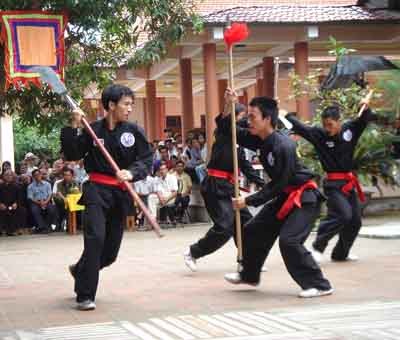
[
  {"x": 43, "y": 211},
  {"x": 30, "y": 160}
]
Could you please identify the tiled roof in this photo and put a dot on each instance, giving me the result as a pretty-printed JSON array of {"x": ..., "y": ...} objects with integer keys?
[
  {"x": 301, "y": 14},
  {"x": 209, "y": 6}
]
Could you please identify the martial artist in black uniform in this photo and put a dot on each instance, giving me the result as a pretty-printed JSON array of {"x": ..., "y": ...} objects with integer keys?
[
  {"x": 293, "y": 203},
  {"x": 217, "y": 190},
  {"x": 335, "y": 144},
  {"x": 106, "y": 202}
]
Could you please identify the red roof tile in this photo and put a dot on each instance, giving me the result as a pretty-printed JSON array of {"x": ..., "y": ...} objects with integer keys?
[
  {"x": 301, "y": 14},
  {"x": 208, "y": 6}
]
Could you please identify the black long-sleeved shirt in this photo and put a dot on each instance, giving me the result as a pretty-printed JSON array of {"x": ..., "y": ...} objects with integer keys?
[
  {"x": 334, "y": 152},
  {"x": 11, "y": 193},
  {"x": 279, "y": 159},
  {"x": 222, "y": 158},
  {"x": 126, "y": 143}
]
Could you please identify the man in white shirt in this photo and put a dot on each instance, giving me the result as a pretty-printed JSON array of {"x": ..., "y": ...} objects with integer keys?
[{"x": 165, "y": 193}]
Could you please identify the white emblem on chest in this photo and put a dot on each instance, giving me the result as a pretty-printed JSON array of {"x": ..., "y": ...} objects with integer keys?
[
  {"x": 127, "y": 139},
  {"x": 330, "y": 144},
  {"x": 101, "y": 140},
  {"x": 271, "y": 159},
  {"x": 348, "y": 135}
]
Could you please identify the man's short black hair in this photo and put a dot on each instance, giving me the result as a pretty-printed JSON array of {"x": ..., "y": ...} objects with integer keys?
[
  {"x": 162, "y": 147},
  {"x": 180, "y": 162},
  {"x": 268, "y": 108},
  {"x": 240, "y": 108},
  {"x": 35, "y": 171},
  {"x": 331, "y": 112},
  {"x": 114, "y": 93},
  {"x": 66, "y": 168}
]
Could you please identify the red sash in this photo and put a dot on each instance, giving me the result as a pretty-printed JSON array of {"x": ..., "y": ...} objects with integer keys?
[
  {"x": 97, "y": 177},
  {"x": 352, "y": 182},
  {"x": 294, "y": 198},
  {"x": 225, "y": 175}
]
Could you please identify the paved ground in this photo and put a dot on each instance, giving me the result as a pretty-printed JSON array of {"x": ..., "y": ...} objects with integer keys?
[{"x": 149, "y": 294}]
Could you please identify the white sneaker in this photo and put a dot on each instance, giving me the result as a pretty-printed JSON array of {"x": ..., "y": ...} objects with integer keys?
[
  {"x": 316, "y": 254},
  {"x": 53, "y": 227},
  {"x": 352, "y": 257},
  {"x": 235, "y": 279},
  {"x": 86, "y": 305},
  {"x": 349, "y": 258},
  {"x": 264, "y": 269},
  {"x": 190, "y": 261},
  {"x": 314, "y": 292}
]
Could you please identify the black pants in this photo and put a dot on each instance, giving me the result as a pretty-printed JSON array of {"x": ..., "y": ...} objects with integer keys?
[
  {"x": 261, "y": 233},
  {"x": 105, "y": 212},
  {"x": 11, "y": 220},
  {"x": 343, "y": 219},
  {"x": 218, "y": 201},
  {"x": 43, "y": 218}
]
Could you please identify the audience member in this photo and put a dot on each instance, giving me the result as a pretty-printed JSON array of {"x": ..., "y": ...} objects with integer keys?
[
  {"x": 61, "y": 189},
  {"x": 43, "y": 211},
  {"x": 12, "y": 211},
  {"x": 184, "y": 190},
  {"x": 166, "y": 188}
]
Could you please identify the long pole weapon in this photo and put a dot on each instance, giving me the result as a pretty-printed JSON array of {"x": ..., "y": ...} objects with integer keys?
[
  {"x": 234, "y": 34},
  {"x": 48, "y": 75}
]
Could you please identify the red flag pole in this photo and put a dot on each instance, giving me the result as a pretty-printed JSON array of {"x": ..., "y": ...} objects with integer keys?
[
  {"x": 238, "y": 224},
  {"x": 233, "y": 34}
]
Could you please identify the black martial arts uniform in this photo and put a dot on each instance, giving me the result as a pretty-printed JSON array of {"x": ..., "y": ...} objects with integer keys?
[
  {"x": 217, "y": 190},
  {"x": 106, "y": 205},
  {"x": 341, "y": 185},
  {"x": 293, "y": 205}
]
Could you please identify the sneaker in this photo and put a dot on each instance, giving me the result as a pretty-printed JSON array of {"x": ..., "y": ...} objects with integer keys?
[
  {"x": 53, "y": 227},
  {"x": 190, "y": 261},
  {"x": 316, "y": 254},
  {"x": 86, "y": 305},
  {"x": 264, "y": 269},
  {"x": 71, "y": 269},
  {"x": 236, "y": 279},
  {"x": 349, "y": 258},
  {"x": 315, "y": 292}
]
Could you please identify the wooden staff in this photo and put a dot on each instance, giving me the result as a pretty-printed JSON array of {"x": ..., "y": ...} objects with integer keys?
[{"x": 238, "y": 225}]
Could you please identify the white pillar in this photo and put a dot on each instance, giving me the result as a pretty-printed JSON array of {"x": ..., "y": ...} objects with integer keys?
[{"x": 6, "y": 140}]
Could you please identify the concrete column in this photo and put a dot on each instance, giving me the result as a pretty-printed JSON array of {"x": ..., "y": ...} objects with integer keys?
[
  {"x": 151, "y": 109},
  {"x": 268, "y": 77},
  {"x": 210, "y": 90},
  {"x": 222, "y": 85},
  {"x": 301, "y": 69},
  {"x": 259, "y": 82},
  {"x": 160, "y": 121},
  {"x": 7, "y": 140},
  {"x": 185, "y": 66}
]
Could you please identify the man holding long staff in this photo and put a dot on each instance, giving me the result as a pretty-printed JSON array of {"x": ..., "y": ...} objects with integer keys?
[
  {"x": 105, "y": 194},
  {"x": 293, "y": 202}
]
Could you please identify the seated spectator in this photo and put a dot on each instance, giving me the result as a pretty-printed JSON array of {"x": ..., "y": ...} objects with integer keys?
[
  {"x": 24, "y": 180},
  {"x": 56, "y": 172},
  {"x": 187, "y": 148},
  {"x": 164, "y": 158},
  {"x": 12, "y": 211},
  {"x": 23, "y": 168},
  {"x": 170, "y": 144},
  {"x": 61, "y": 189},
  {"x": 80, "y": 174},
  {"x": 43, "y": 211},
  {"x": 45, "y": 174},
  {"x": 144, "y": 188},
  {"x": 184, "y": 190},
  {"x": 166, "y": 188},
  {"x": 31, "y": 161},
  {"x": 196, "y": 164}
]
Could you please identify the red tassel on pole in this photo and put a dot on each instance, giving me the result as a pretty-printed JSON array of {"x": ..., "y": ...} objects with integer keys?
[{"x": 235, "y": 33}]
